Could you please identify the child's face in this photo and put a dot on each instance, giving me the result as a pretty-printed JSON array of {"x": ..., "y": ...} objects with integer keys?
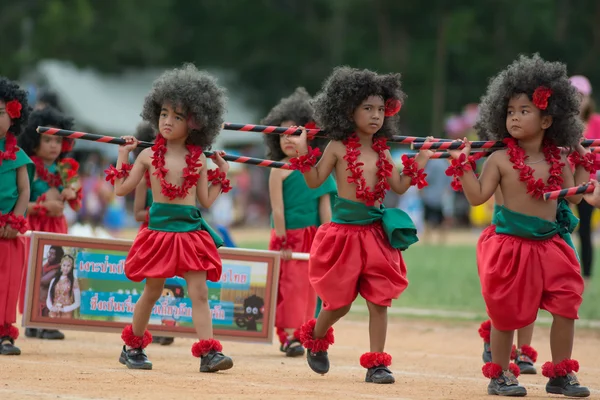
[
  {"x": 66, "y": 266},
  {"x": 172, "y": 122},
  {"x": 288, "y": 142},
  {"x": 5, "y": 121},
  {"x": 369, "y": 115},
  {"x": 49, "y": 148},
  {"x": 523, "y": 119}
]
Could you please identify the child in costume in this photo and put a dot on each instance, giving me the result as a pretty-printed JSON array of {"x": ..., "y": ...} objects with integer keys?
[
  {"x": 297, "y": 213},
  {"x": 528, "y": 261},
  {"x": 359, "y": 250},
  {"x": 143, "y": 199},
  {"x": 14, "y": 180},
  {"x": 55, "y": 181},
  {"x": 64, "y": 295},
  {"x": 186, "y": 107}
]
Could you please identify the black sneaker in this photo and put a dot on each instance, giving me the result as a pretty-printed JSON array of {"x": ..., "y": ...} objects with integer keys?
[
  {"x": 8, "y": 348},
  {"x": 506, "y": 385},
  {"x": 165, "y": 341},
  {"x": 525, "y": 365},
  {"x": 50, "y": 334},
  {"x": 135, "y": 359},
  {"x": 487, "y": 353},
  {"x": 379, "y": 374},
  {"x": 31, "y": 332},
  {"x": 567, "y": 385},
  {"x": 215, "y": 361},
  {"x": 292, "y": 348},
  {"x": 318, "y": 362}
]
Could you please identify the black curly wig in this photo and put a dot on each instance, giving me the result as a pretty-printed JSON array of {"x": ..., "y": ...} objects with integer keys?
[
  {"x": 295, "y": 108},
  {"x": 523, "y": 76},
  {"x": 197, "y": 93},
  {"x": 51, "y": 117},
  {"x": 9, "y": 90},
  {"x": 344, "y": 91},
  {"x": 144, "y": 133}
]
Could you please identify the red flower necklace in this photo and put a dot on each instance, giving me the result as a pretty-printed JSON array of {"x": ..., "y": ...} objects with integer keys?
[
  {"x": 53, "y": 180},
  {"x": 536, "y": 188},
  {"x": 190, "y": 172},
  {"x": 384, "y": 170},
  {"x": 10, "y": 152}
]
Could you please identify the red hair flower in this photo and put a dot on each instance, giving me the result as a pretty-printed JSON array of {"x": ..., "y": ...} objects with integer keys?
[
  {"x": 540, "y": 97},
  {"x": 392, "y": 106},
  {"x": 67, "y": 145},
  {"x": 13, "y": 109},
  {"x": 311, "y": 125}
]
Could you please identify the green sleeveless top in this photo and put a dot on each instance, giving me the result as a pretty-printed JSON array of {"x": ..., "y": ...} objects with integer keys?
[
  {"x": 301, "y": 203},
  {"x": 9, "y": 192},
  {"x": 39, "y": 186},
  {"x": 167, "y": 217},
  {"x": 397, "y": 225},
  {"x": 510, "y": 222}
]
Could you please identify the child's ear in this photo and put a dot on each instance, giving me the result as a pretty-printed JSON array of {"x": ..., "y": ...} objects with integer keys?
[{"x": 546, "y": 121}]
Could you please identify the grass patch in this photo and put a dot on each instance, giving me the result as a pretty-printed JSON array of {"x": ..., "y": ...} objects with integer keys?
[{"x": 445, "y": 278}]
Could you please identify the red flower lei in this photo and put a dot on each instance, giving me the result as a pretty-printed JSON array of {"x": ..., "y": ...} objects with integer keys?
[
  {"x": 11, "y": 148},
  {"x": 552, "y": 156},
  {"x": 53, "y": 180},
  {"x": 147, "y": 178},
  {"x": 190, "y": 172},
  {"x": 384, "y": 170}
]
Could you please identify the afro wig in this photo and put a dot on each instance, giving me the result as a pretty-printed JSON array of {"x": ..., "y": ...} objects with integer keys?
[
  {"x": 197, "y": 93},
  {"x": 344, "y": 91},
  {"x": 297, "y": 109},
  {"x": 9, "y": 91},
  {"x": 144, "y": 133},
  {"x": 30, "y": 139},
  {"x": 524, "y": 76}
]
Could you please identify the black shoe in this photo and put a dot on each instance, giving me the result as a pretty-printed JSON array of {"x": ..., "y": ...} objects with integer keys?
[
  {"x": 525, "y": 365},
  {"x": 487, "y": 353},
  {"x": 380, "y": 374},
  {"x": 8, "y": 348},
  {"x": 165, "y": 341},
  {"x": 567, "y": 385},
  {"x": 506, "y": 385},
  {"x": 31, "y": 332},
  {"x": 318, "y": 362},
  {"x": 50, "y": 334},
  {"x": 135, "y": 359},
  {"x": 215, "y": 361},
  {"x": 292, "y": 348}
]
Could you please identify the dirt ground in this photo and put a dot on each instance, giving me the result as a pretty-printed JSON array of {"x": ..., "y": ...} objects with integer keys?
[{"x": 432, "y": 360}]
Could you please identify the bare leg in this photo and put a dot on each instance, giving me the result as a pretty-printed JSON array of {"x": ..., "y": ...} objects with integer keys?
[
  {"x": 501, "y": 343},
  {"x": 143, "y": 307},
  {"x": 327, "y": 318},
  {"x": 377, "y": 326},
  {"x": 198, "y": 293},
  {"x": 525, "y": 335},
  {"x": 561, "y": 338}
]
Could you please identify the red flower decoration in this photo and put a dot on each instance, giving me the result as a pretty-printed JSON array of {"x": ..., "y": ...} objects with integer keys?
[
  {"x": 10, "y": 152},
  {"x": 18, "y": 223},
  {"x": 206, "y": 346},
  {"x": 588, "y": 162},
  {"x": 216, "y": 177},
  {"x": 305, "y": 162},
  {"x": 13, "y": 109},
  {"x": 392, "y": 106},
  {"x": 412, "y": 170},
  {"x": 53, "y": 180},
  {"x": 491, "y": 370},
  {"x": 113, "y": 174},
  {"x": 371, "y": 359},
  {"x": 311, "y": 125},
  {"x": 312, "y": 344},
  {"x": 135, "y": 342},
  {"x": 485, "y": 330},
  {"x": 540, "y": 97}
]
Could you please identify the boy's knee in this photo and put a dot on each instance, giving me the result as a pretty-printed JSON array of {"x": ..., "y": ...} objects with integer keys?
[{"x": 198, "y": 292}]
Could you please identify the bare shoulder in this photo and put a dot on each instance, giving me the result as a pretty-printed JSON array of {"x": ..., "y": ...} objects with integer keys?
[
  {"x": 146, "y": 155},
  {"x": 498, "y": 157},
  {"x": 336, "y": 146}
]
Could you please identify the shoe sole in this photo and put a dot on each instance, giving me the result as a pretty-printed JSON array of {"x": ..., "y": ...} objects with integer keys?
[
  {"x": 223, "y": 365},
  {"x": 294, "y": 352},
  {"x": 382, "y": 381},
  {"x": 529, "y": 371},
  {"x": 553, "y": 390},
  {"x": 508, "y": 394},
  {"x": 130, "y": 366},
  {"x": 13, "y": 353}
]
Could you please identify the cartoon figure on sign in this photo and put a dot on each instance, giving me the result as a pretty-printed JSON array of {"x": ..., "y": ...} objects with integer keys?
[
  {"x": 172, "y": 293},
  {"x": 254, "y": 307}
]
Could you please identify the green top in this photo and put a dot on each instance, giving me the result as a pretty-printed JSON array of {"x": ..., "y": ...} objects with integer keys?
[
  {"x": 397, "y": 225},
  {"x": 301, "y": 203},
  {"x": 8, "y": 178},
  {"x": 510, "y": 222},
  {"x": 166, "y": 217},
  {"x": 40, "y": 186},
  {"x": 496, "y": 211},
  {"x": 149, "y": 198}
]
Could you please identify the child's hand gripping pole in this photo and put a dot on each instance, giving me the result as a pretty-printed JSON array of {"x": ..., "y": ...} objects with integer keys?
[{"x": 109, "y": 139}]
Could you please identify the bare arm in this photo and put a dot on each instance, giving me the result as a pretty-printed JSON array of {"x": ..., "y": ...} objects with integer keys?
[
  {"x": 317, "y": 175},
  {"x": 276, "y": 197},
  {"x": 478, "y": 191},
  {"x": 400, "y": 183},
  {"x": 208, "y": 194},
  {"x": 569, "y": 180},
  {"x": 23, "y": 187},
  {"x": 325, "y": 209},
  {"x": 139, "y": 202},
  {"x": 124, "y": 186}
]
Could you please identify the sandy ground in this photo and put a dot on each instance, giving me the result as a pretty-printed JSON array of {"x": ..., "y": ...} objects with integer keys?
[{"x": 432, "y": 360}]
